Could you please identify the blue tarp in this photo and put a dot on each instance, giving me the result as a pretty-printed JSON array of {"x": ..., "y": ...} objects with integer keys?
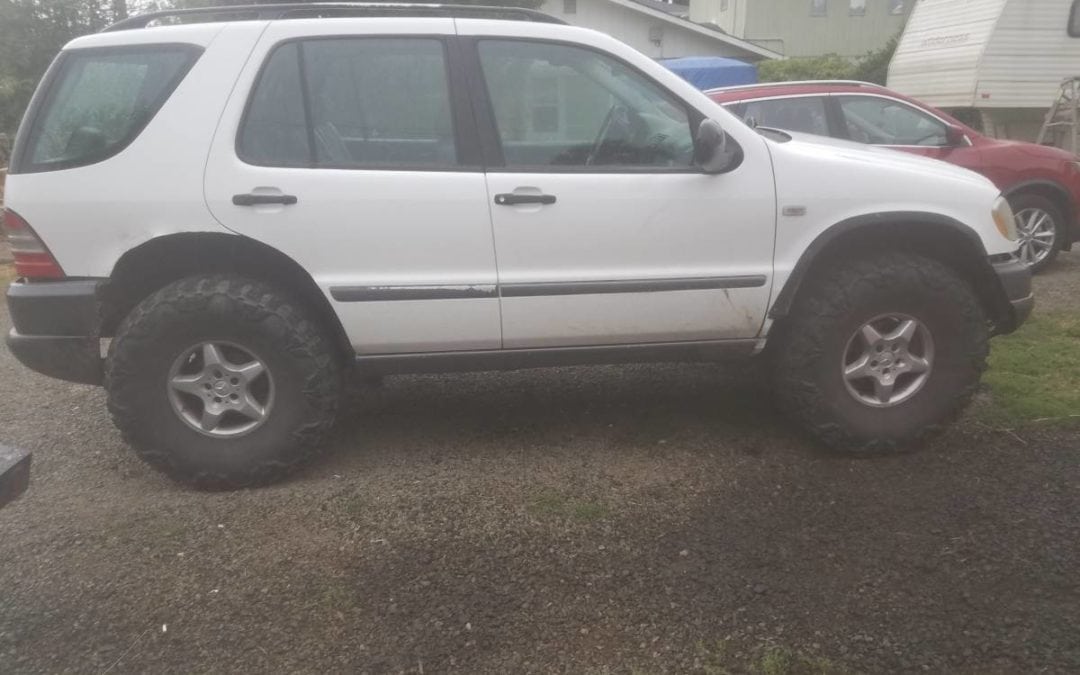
[{"x": 709, "y": 72}]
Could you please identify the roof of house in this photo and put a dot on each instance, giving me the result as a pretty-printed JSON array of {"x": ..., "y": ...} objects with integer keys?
[{"x": 647, "y": 7}]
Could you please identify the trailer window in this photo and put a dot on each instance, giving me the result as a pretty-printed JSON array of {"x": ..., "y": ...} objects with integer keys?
[{"x": 1074, "y": 19}]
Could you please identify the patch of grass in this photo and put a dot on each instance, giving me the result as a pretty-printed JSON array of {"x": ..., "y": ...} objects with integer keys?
[
  {"x": 550, "y": 502},
  {"x": 714, "y": 657},
  {"x": 1034, "y": 373},
  {"x": 784, "y": 661},
  {"x": 718, "y": 658}
]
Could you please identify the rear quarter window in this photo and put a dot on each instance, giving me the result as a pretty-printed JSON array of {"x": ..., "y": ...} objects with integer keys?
[{"x": 96, "y": 101}]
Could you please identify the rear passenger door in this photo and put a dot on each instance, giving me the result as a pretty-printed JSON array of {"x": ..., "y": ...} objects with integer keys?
[
  {"x": 806, "y": 114},
  {"x": 355, "y": 155}
]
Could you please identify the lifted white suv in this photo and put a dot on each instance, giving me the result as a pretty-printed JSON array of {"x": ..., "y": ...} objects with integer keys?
[{"x": 250, "y": 202}]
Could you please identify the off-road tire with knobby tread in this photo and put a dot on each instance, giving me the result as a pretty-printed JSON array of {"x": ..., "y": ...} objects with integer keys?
[
  {"x": 807, "y": 359},
  {"x": 306, "y": 371}
]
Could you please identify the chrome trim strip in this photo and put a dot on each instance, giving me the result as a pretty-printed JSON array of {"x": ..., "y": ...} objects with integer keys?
[
  {"x": 533, "y": 289},
  {"x": 397, "y": 293},
  {"x": 793, "y": 83},
  {"x": 522, "y": 290}
]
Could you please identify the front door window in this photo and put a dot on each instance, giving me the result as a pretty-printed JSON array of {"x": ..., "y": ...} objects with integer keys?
[
  {"x": 886, "y": 121},
  {"x": 557, "y": 105}
]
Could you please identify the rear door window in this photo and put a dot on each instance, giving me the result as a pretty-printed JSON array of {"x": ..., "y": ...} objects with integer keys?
[
  {"x": 352, "y": 103},
  {"x": 99, "y": 100},
  {"x": 799, "y": 113}
]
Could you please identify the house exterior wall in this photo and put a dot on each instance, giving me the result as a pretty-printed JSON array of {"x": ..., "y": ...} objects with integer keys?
[
  {"x": 639, "y": 30},
  {"x": 807, "y": 27}
]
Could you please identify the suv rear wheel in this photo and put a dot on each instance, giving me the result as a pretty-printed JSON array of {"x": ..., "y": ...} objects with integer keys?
[
  {"x": 221, "y": 382},
  {"x": 880, "y": 353},
  {"x": 1041, "y": 229}
]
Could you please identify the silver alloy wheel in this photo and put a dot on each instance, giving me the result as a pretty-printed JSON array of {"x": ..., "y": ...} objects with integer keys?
[
  {"x": 888, "y": 360},
  {"x": 221, "y": 389},
  {"x": 1037, "y": 232}
]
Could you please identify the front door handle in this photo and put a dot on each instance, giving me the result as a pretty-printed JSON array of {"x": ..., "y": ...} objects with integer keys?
[
  {"x": 513, "y": 198},
  {"x": 253, "y": 199}
]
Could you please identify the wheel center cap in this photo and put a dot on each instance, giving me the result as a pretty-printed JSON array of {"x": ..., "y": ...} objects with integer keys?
[
  {"x": 886, "y": 359},
  {"x": 221, "y": 387}
]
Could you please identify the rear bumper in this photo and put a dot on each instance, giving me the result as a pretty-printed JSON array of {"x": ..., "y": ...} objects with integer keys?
[
  {"x": 75, "y": 359},
  {"x": 56, "y": 329},
  {"x": 1015, "y": 278}
]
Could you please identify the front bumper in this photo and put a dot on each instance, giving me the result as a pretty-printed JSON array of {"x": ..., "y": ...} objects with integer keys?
[
  {"x": 1015, "y": 279},
  {"x": 56, "y": 329}
]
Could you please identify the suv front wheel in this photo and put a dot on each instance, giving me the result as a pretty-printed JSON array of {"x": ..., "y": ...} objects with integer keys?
[
  {"x": 221, "y": 382},
  {"x": 880, "y": 353}
]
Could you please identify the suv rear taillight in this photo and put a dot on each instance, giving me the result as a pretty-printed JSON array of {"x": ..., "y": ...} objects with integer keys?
[{"x": 32, "y": 258}]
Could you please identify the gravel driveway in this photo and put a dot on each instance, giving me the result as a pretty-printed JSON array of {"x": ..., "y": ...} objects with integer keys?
[{"x": 644, "y": 519}]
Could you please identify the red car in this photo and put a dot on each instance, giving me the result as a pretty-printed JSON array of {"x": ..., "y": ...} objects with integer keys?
[{"x": 1042, "y": 183}]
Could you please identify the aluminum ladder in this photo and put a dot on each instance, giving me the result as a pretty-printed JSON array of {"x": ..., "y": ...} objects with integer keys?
[{"x": 1063, "y": 118}]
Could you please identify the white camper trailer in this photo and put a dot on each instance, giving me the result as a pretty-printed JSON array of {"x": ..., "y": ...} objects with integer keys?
[{"x": 1003, "y": 58}]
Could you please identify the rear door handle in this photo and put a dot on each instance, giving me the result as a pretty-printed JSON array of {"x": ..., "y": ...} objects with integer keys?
[
  {"x": 513, "y": 198},
  {"x": 253, "y": 199}
]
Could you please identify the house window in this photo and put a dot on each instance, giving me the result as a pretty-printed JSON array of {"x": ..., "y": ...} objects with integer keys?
[
  {"x": 819, "y": 7},
  {"x": 857, "y": 8},
  {"x": 723, "y": 5},
  {"x": 569, "y": 6},
  {"x": 896, "y": 7},
  {"x": 1074, "y": 19}
]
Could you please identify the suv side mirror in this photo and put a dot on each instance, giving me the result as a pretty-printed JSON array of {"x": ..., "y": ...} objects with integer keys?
[
  {"x": 713, "y": 152},
  {"x": 955, "y": 136}
]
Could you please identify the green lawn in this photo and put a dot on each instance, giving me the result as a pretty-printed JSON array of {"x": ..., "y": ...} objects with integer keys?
[{"x": 1035, "y": 373}]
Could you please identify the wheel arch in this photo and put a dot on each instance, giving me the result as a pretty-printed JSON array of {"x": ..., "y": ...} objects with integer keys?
[
  {"x": 932, "y": 235},
  {"x": 162, "y": 260}
]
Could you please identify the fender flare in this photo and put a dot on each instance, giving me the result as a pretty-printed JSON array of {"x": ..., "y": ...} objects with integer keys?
[
  {"x": 786, "y": 297},
  {"x": 1039, "y": 183}
]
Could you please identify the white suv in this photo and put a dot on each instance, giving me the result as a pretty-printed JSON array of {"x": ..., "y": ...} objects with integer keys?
[{"x": 252, "y": 202}]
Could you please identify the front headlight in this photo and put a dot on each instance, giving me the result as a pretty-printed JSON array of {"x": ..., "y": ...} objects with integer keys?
[{"x": 1004, "y": 219}]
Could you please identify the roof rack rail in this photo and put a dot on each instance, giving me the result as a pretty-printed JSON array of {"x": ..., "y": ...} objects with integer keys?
[
  {"x": 795, "y": 83},
  {"x": 319, "y": 10}
]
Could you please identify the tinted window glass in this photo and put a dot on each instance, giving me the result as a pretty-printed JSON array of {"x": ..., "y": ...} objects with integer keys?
[
  {"x": 373, "y": 102},
  {"x": 275, "y": 130},
  {"x": 805, "y": 114},
  {"x": 557, "y": 105},
  {"x": 884, "y": 121},
  {"x": 1074, "y": 19},
  {"x": 100, "y": 100}
]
